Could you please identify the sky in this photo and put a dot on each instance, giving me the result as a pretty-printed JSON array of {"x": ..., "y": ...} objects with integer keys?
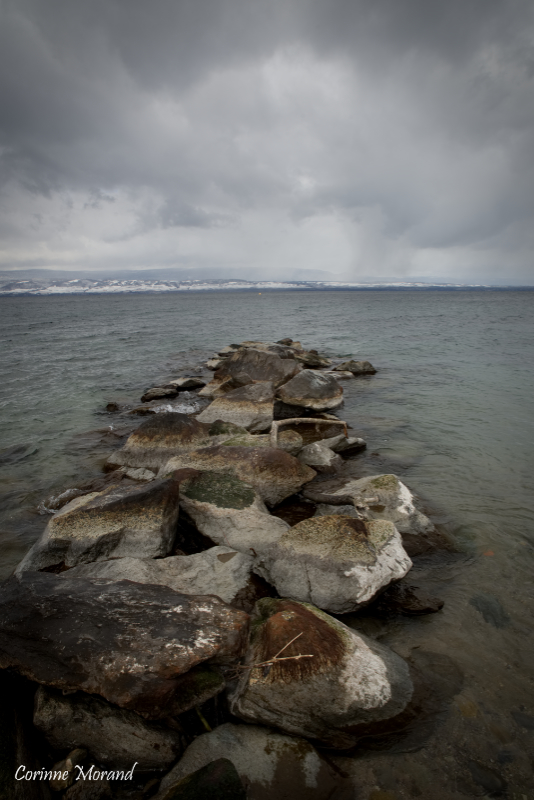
[{"x": 342, "y": 140}]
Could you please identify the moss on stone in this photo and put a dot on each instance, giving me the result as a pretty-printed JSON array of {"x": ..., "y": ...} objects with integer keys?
[
  {"x": 334, "y": 536},
  {"x": 389, "y": 482},
  {"x": 218, "y": 428},
  {"x": 221, "y": 490}
]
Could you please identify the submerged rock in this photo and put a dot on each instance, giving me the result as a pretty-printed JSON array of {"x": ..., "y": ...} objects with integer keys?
[
  {"x": 335, "y": 562},
  {"x": 230, "y": 512},
  {"x": 311, "y": 389},
  {"x": 250, "y": 406},
  {"x": 271, "y": 766},
  {"x": 125, "y": 641},
  {"x": 113, "y": 736},
  {"x": 221, "y": 571},
  {"x": 273, "y": 473},
  {"x": 332, "y": 680},
  {"x": 356, "y": 367},
  {"x": 137, "y": 521},
  {"x": 159, "y": 438},
  {"x": 410, "y": 600}
]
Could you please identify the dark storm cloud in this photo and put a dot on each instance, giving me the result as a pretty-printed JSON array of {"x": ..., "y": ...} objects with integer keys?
[{"x": 366, "y": 137}]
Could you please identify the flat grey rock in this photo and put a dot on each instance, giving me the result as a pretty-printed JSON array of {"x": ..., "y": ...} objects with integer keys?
[{"x": 221, "y": 571}]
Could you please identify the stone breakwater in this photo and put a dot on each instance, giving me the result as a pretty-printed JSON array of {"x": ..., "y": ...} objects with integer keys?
[{"x": 180, "y": 618}]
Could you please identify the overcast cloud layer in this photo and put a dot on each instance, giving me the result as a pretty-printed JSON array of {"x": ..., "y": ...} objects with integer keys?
[{"x": 360, "y": 138}]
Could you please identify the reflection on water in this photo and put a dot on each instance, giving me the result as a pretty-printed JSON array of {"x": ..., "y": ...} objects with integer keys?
[{"x": 449, "y": 411}]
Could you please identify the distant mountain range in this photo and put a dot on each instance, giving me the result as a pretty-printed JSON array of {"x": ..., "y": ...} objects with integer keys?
[{"x": 113, "y": 286}]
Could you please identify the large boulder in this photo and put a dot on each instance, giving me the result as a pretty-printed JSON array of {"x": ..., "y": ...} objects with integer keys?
[
  {"x": 270, "y": 764},
  {"x": 356, "y": 367},
  {"x": 379, "y": 497},
  {"x": 330, "y": 682},
  {"x": 221, "y": 571},
  {"x": 114, "y": 736},
  {"x": 273, "y": 473},
  {"x": 159, "y": 438},
  {"x": 311, "y": 389},
  {"x": 247, "y": 365},
  {"x": 228, "y": 511},
  {"x": 125, "y": 641},
  {"x": 137, "y": 521},
  {"x": 250, "y": 406},
  {"x": 337, "y": 562}
]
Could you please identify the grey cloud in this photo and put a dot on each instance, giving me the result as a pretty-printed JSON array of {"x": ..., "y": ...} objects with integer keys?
[{"x": 387, "y": 129}]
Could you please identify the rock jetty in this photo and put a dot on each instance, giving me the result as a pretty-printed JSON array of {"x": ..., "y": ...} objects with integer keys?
[{"x": 175, "y": 622}]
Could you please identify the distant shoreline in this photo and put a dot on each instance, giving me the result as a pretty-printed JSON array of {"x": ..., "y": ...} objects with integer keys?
[{"x": 112, "y": 287}]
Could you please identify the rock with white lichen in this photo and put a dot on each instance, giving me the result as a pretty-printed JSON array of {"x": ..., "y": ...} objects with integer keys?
[
  {"x": 336, "y": 562},
  {"x": 332, "y": 681}
]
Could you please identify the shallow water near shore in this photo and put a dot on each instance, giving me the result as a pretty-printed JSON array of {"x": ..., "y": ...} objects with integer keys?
[{"x": 450, "y": 412}]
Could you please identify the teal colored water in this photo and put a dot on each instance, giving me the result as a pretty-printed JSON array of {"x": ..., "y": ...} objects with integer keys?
[{"x": 450, "y": 412}]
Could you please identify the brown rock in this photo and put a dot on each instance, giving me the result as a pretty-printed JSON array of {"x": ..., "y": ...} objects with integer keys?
[
  {"x": 251, "y": 407},
  {"x": 331, "y": 681},
  {"x": 258, "y": 365},
  {"x": 127, "y": 642},
  {"x": 159, "y": 438},
  {"x": 273, "y": 473}
]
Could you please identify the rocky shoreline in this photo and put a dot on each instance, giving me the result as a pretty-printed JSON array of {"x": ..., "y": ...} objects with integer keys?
[{"x": 179, "y": 616}]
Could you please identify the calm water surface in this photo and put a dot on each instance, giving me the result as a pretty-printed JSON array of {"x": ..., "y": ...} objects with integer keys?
[{"x": 450, "y": 412}]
